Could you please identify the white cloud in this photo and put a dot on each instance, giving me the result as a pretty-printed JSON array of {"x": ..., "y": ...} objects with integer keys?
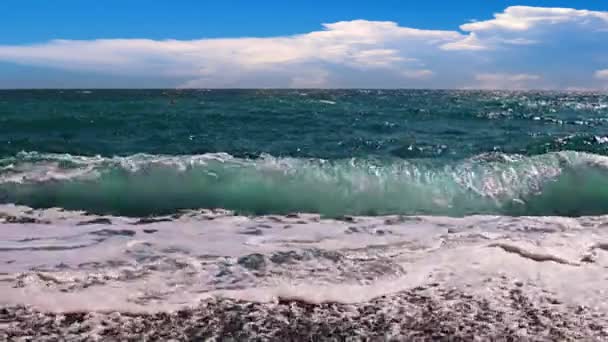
[
  {"x": 523, "y": 18},
  {"x": 602, "y": 74},
  {"x": 376, "y": 58},
  {"x": 469, "y": 43},
  {"x": 357, "y": 53},
  {"x": 359, "y": 45},
  {"x": 505, "y": 81},
  {"x": 524, "y": 25}
]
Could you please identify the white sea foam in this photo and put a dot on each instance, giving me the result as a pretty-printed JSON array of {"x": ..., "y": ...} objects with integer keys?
[
  {"x": 61, "y": 260},
  {"x": 148, "y": 184}
]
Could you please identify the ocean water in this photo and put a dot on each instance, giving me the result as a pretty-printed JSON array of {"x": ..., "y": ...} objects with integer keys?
[{"x": 332, "y": 152}]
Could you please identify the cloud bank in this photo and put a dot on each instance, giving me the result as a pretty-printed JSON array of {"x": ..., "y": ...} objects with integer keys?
[{"x": 520, "y": 48}]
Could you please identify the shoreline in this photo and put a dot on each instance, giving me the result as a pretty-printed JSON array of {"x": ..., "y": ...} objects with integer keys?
[{"x": 211, "y": 273}]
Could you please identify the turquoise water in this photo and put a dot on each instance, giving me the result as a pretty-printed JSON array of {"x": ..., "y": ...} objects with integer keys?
[{"x": 336, "y": 152}]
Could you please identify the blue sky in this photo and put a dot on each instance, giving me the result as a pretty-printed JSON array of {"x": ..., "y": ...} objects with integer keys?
[{"x": 382, "y": 43}]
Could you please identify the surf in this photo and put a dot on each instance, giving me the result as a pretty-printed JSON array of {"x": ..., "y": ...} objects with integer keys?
[{"x": 560, "y": 183}]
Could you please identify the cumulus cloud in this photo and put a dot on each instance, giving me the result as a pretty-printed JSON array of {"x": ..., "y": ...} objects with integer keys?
[
  {"x": 524, "y": 25},
  {"x": 358, "y": 45},
  {"x": 524, "y": 18},
  {"x": 471, "y": 42},
  {"x": 358, "y": 53}
]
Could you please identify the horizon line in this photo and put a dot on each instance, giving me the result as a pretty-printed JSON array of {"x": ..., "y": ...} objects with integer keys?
[{"x": 323, "y": 89}]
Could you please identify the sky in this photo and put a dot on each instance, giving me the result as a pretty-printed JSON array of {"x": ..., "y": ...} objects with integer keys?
[{"x": 304, "y": 44}]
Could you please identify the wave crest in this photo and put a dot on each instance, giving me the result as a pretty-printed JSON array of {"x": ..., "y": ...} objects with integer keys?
[{"x": 561, "y": 183}]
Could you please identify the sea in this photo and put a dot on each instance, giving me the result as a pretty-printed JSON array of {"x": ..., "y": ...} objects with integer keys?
[{"x": 332, "y": 152}]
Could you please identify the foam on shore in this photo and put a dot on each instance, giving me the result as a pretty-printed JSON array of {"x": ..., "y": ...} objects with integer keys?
[{"x": 64, "y": 261}]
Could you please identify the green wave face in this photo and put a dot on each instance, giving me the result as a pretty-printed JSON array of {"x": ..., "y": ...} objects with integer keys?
[{"x": 562, "y": 183}]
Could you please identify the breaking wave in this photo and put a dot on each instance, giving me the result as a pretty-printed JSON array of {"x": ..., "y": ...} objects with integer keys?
[{"x": 561, "y": 183}]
